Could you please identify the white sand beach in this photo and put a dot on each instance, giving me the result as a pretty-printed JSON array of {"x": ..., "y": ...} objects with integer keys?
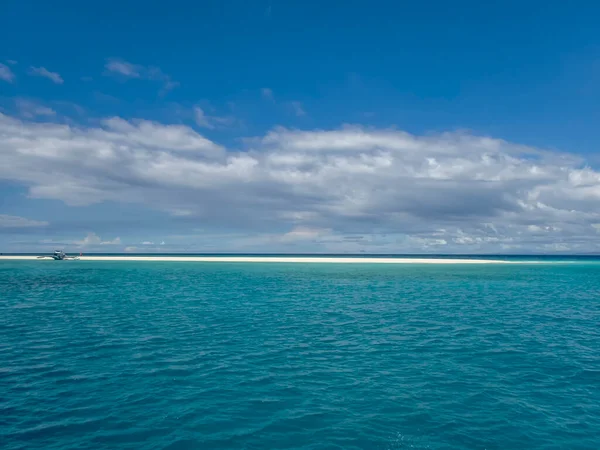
[{"x": 275, "y": 259}]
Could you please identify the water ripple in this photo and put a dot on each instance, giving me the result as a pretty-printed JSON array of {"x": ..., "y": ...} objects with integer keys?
[{"x": 211, "y": 356}]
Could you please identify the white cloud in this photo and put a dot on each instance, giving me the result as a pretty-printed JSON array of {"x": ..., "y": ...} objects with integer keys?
[
  {"x": 299, "y": 235},
  {"x": 558, "y": 247},
  {"x": 143, "y": 133},
  {"x": 147, "y": 243},
  {"x": 349, "y": 188},
  {"x": 43, "y": 72},
  {"x": 30, "y": 109},
  {"x": 298, "y": 109},
  {"x": 126, "y": 69},
  {"x": 130, "y": 249},
  {"x": 211, "y": 122},
  {"x": 6, "y": 74},
  {"x": 428, "y": 242},
  {"x": 202, "y": 119},
  {"x": 92, "y": 240},
  {"x": 304, "y": 234},
  {"x": 11, "y": 61},
  {"x": 19, "y": 222}
]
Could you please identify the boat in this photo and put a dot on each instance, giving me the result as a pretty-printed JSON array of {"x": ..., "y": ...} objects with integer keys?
[{"x": 59, "y": 255}]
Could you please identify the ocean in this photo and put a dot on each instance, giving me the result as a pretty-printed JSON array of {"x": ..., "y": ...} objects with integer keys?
[{"x": 168, "y": 355}]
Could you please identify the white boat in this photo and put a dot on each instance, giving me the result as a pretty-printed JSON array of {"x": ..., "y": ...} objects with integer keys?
[{"x": 59, "y": 255}]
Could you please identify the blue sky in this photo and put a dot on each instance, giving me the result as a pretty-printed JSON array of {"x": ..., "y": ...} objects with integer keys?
[{"x": 352, "y": 126}]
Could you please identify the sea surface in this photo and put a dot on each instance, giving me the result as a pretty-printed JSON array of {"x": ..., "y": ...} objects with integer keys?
[{"x": 166, "y": 355}]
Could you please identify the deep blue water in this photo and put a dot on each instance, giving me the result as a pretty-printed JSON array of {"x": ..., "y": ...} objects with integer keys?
[{"x": 131, "y": 355}]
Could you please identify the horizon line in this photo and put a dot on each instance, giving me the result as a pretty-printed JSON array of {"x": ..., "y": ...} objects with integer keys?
[{"x": 313, "y": 254}]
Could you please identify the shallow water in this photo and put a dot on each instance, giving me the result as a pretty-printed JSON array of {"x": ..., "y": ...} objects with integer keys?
[{"x": 105, "y": 355}]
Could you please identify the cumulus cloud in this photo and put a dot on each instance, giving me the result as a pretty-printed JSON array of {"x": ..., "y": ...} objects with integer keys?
[
  {"x": 19, "y": 222},
  {"x": 349, "y": 188},
  {"x": 6, "y": 74},
  {"x": 125, "y": 69},
  {"x": 43, "y": 72},
  {"x": 36, "y": 154}
]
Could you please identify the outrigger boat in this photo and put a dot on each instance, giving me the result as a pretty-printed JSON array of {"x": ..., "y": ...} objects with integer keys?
[{"x": 59, "y": 255}]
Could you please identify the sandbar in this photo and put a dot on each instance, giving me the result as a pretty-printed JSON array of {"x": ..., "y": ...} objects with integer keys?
[{"x": 276, "y": 259}]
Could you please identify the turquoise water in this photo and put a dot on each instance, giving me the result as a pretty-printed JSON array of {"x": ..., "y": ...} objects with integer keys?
[{"x": 131, "y": 355}]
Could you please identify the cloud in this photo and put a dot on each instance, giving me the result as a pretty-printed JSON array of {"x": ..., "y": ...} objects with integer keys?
[
  {"x": 304, "y": 233},
  {"x": 19, "y": 222},
  {"x": 298, "y": 109},
  {"x": 201, "y": 118},
  {"x": 6, "y": 74},
  {"x": 121, "y": 68},
  {"x": 267, "y": 93},
  {"x": 93, "y": 240},
  {"x": 211, "y": 122},
  {"x": 70, "y": 107},
  {"x": 12, "y": 62},
  {"x": 30, "y": 109},
  {"x": 346, "y": 189},
  {"x": 43, "y": 72},
  {"x": 124, "y": 68},
  {"x": 298, "y": 236}
]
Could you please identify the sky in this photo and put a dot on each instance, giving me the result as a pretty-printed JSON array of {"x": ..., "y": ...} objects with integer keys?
[{"x": 300, "y": 127}]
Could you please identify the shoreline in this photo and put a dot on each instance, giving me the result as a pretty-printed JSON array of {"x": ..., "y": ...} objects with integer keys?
[{"x": 273, "y": 259}]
